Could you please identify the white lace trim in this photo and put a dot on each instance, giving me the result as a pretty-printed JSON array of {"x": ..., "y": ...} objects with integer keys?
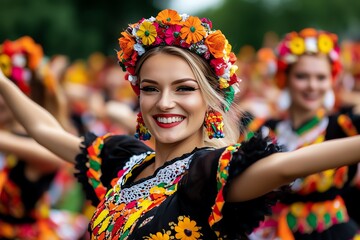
[
  {"x": 288, "y": 138},
  {"x": 142, "y": 190}
]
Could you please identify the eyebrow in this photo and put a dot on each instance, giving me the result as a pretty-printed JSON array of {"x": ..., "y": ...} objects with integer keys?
[{"x": 174, "y": 83}]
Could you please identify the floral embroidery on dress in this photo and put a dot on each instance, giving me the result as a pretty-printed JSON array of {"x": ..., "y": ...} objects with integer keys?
[
  {"x": 117, "y": 215},
  {"x": 184, "y": 229}
]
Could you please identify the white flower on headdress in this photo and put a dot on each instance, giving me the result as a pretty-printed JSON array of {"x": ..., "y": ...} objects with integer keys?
[
  {"x": 19, "y": 60},
  {"x": 132, "y": 79},
  {"x": 139, "y": 49},
  {"x": 290, "y": 58},
  {"x": 133, "y": 32},
  {"x": 202, "y": 49},
  {"x": 151, "y": 19},
  {"x": 334, "y": 56},
  {"x": 27, "y": 75},
  {"x": 184, "y": 16},
  {"x": 311, "y": 44}
]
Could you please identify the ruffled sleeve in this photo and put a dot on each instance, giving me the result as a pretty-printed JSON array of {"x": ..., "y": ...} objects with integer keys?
[
  {"x": 208, "y": 179},
  {"x": 101, "y": 159},
  {"x": 235, "y": 220}
]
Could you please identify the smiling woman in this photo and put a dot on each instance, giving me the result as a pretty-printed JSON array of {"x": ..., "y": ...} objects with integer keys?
[
  {"x": 192, "y": 187},
  {"x": 308, "y": 64}
]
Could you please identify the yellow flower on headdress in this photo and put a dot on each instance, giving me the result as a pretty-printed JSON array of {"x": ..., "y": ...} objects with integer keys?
[
  {"x": 169, "y": 16},
  {"x": 325, "y": 43},
  {"x": 297, "y": 45},
  {"x": 192, "y": 30},
  {"x": 223, "y": 83},
  {"x": 5, "y": 64},
  {"x": 147, "y": 33}
]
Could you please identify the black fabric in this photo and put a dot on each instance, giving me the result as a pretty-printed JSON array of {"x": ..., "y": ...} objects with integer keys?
[
  {"x": 196, "y": 190},
  {"x": 118, "y": 149}
]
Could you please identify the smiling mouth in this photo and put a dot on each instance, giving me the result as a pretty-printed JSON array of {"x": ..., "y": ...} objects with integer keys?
[
  {"x": 169, "y": 119},
  {"x": 168, "y": 122}
]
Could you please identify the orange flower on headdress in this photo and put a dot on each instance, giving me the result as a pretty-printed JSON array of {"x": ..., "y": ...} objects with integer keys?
[
  {"x": 127, "y": 45},
  {"x": 216, "y": 43},
  {"x": 147, "y": 33},
  {"x": 169, "y": 16},
  {"x": 297, "y": 45},
  {"x": 325, "y": 43},
  {"x": 192, "y": 30},
  {"x": 34, "y": 51},
  {"x": 308, "y": 32}
]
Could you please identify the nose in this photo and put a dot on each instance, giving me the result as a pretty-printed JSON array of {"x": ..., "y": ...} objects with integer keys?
[
  {"x": 312, "y": 83},
  {"x": 166, "y": 100}
]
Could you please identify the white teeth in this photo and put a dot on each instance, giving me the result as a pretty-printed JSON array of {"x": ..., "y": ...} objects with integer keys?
[{"x": 169, "y": 120}]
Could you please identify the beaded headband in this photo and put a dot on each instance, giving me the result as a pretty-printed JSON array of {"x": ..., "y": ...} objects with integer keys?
[
  {"x": 307, "y": 41},
  {"x": 169, "y": 28},
  {"x": 19, "y": 59}
]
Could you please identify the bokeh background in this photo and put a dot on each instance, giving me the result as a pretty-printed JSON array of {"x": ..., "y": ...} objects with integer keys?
[{"x": 77, "y": 28}]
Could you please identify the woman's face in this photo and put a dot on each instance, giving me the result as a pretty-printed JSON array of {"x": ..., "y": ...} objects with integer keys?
[
  {"x": 171, "y": 101},
  {"x": 309, "y": 80}
]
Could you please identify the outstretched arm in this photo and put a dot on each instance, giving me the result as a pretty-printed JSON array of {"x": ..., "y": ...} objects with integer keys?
[
  {"x": 282, "y": 168},
  {"x": 39, "y": 123},
  {"x": 30, "y": 151}
]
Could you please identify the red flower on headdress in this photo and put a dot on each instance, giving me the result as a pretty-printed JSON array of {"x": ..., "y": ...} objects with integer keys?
[{"x": 219, "y": 65}]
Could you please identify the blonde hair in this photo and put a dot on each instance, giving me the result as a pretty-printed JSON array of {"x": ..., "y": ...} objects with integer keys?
[{"x": 210, "y": 90}]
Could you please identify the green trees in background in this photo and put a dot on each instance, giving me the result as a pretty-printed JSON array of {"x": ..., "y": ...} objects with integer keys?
[
  {"x": 246, "y": 21},
  {"x": 78, "y": 28}
]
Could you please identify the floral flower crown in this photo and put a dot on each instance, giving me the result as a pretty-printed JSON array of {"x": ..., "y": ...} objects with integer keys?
[
  {"x": 19, "y": 59},
  {"x": 307, "y": 41},
  {"x": 184, "y": 31}
]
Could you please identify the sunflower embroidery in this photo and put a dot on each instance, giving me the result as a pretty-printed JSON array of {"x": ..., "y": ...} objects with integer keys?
[
  {"x": 192, "y": 30},
  {"x": 159, "y": 236},
  {"x": 147, "y": 33},
  {"x": 186, "y": 229}
]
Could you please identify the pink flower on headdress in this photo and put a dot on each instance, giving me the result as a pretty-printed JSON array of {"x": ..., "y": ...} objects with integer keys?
[
  {"x": 207, "y": 21},
  {"x": 160, "y": 34},
  {"x": 172, "y": 35}
]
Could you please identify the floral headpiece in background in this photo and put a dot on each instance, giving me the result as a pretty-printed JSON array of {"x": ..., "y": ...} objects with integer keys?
[
  {"x": 307, "y": 41},
  {"x": 19, "y": 59},
  {"x": 170, "y": 28}
]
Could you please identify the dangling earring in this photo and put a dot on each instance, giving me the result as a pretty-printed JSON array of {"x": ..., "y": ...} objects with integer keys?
[
  {"x": 142, "y": 132},
  {"x": 329, "y": 100},
  {"x": 214, "y": 124},
  {"x": 284, "y": 100}
]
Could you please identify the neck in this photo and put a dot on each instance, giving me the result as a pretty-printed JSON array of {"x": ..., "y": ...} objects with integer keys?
[
  {"x": 168, "y": 151},
  {"x": 299, "y": 117}
]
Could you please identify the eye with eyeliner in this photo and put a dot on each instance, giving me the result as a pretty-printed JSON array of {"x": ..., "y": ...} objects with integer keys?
[
  {"x": 186, "y": 89},
  {"x": 148, "y": 89}
]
